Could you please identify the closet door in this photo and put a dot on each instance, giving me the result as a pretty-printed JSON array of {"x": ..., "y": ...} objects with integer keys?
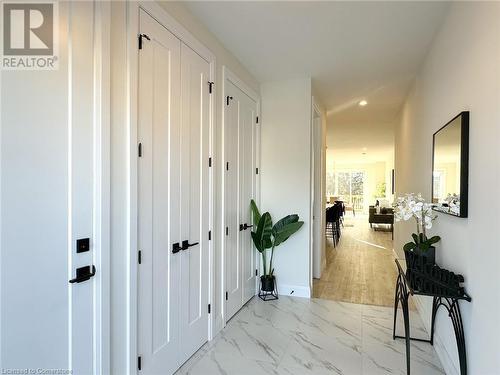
[
  {"x": 194, "y": 201},
  {"x": 159, "y": 198},
  {"x": 232, "y": 198},
  {"x": 247, "y": 120},
  {"x": 240, "y": 118}
]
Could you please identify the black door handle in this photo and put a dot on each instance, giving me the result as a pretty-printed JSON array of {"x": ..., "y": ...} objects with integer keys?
[
  {"x": 186, "y": 245},
  {"x": 176, "y": 248},
  {"x": 245, "y": 226},
  {"x": 83, "y": 274}
]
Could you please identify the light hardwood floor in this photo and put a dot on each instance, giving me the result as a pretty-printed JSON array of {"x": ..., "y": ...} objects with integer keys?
[{"x": 361, "y": 268}]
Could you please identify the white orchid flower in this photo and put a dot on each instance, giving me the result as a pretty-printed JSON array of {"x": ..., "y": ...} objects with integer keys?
[{"x": 414, "y": 205}]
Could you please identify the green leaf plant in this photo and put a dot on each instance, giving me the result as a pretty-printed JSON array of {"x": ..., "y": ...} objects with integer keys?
[
  {"x": 421, "y": 242},
  {"x": 267, "y": 236}
]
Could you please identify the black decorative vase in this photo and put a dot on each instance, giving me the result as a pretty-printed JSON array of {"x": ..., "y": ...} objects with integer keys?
[
  {"x": 267, "y": 283},
  {"x": 418, "y": 259},
  {"x": 418, "y": 264},
  {"x": 429, "y": 255},
  {"x": 268, "y": 289}
]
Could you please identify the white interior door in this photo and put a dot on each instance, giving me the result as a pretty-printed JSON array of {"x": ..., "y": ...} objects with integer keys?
[
  {"x": 173, "y": 174},
  {"x": 159, "y": 200},
  {"x": 194, "y": 201},
  {"x": 49, "y": 201},
  {"x": 240, "y": 118},
  {"x": 247, "y": 120},
  {"x": 234, "y": 293}
]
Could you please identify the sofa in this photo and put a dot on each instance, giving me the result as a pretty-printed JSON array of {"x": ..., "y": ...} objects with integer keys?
[{"x": 386, "y": 216}]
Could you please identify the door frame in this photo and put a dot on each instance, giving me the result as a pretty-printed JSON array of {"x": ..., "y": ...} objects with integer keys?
[
  {"x": 132, "y": 60},
  {"x": 228, "y": 75},
  {"x": 102, "y": 186},
  {"x": 318, "y": 162}
]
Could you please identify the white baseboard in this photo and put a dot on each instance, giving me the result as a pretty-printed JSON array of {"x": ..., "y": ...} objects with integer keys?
[
  {"x": 441, "y": 350},
  {"x": 294, "y": 291}
]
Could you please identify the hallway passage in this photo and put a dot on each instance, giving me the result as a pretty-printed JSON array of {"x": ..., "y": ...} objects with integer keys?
[
  {"x": 361, "y": 268},
  {"x": 298, "y": 336}
]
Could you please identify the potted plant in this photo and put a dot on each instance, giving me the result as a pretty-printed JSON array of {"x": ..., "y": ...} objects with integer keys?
[
  {"x": 268, "y": 236},
  {"x": 414, "y": 206}
]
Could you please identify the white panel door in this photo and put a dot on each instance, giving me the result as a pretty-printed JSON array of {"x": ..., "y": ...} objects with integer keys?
[
  {"x": 247, "y": 120},
  {"x": 234, "y": 291},
  {"x": 240, "y": 118},
  {"x": 159, "y": 198},
  {"x": 49, "y": 200},
  {"x": 194, "y": 144}
]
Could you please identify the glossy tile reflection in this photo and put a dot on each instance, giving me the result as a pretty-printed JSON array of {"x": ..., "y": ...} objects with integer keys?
[{"x": 299, "y": 336}]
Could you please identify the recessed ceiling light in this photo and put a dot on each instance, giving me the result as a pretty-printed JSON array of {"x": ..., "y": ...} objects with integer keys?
[{"x": 363, "y": 103}]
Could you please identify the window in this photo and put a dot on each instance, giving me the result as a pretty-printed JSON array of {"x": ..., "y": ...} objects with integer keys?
[
  {"x": 348, "y": 186},
  {"x": 439, "y": 177},
  {"x": 330, "y": 184}
]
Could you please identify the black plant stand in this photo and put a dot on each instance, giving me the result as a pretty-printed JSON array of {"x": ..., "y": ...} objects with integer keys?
[
  {"x": 442, "y": 296},
  {"x": 268, "y": 295}
]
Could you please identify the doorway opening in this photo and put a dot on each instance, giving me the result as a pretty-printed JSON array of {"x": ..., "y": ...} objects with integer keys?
[{"x": 359, "y": 256}]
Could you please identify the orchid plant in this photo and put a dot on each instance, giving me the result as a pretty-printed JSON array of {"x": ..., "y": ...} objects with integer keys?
[
  {"x": 414, "y": 206},
  {"x": 453, "y": 202}
]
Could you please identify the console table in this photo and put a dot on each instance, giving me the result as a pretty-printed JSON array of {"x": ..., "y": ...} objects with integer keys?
[{"x": 450, "y": 303}]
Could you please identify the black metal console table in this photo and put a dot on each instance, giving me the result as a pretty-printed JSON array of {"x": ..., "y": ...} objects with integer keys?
[{"x": 450, "y": 302}]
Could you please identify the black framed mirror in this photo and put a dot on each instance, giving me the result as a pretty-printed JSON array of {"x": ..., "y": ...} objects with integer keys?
[{"x": 450, "y": 167}]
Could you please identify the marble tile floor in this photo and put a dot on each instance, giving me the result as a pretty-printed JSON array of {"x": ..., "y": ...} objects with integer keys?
[{"x": 298, "y": 336}]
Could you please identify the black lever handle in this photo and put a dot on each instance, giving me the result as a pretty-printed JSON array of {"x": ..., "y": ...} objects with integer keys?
[
  {"x": 176, "y": 248},
  {"x": 186, "y": 245},
  {"x": 246, "y": 226},
  {"x": 83, "y": 274}
]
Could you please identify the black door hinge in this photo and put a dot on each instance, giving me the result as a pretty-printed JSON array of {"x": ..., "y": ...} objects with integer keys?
[
  {"x": 210, "y": 87},
  {"x": 256, "y": 272},
  {"x": 139, "y": 363},
  {"x": 209, "y": 235},
  {"x": 257, "y": 120},
  {"x": 227, "y": 231},
  {"x": 227, "y": 166},
  {"x": 139, "y": 256},
  {"x": 256, "y": 170},
  {"x": 227, "y": 296},
  {"x": 140, "y": 39},
  {"x": 209, "y": 162},
  {"x": 139, "y": 149},
  {"x": 228, "y": 98},
  {"x": 209, "y": 308}
]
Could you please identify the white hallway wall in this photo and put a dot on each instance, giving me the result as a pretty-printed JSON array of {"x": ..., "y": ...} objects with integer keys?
[
  {"x": 461, "y": 72},
  {"x": 120, "y": 362},
  {"x": 286, "y": 173}
]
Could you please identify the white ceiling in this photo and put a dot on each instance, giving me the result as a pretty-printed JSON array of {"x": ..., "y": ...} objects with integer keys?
[
  {"x": 351, "y": 50},
  {"x": 360, "y": 143}
]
